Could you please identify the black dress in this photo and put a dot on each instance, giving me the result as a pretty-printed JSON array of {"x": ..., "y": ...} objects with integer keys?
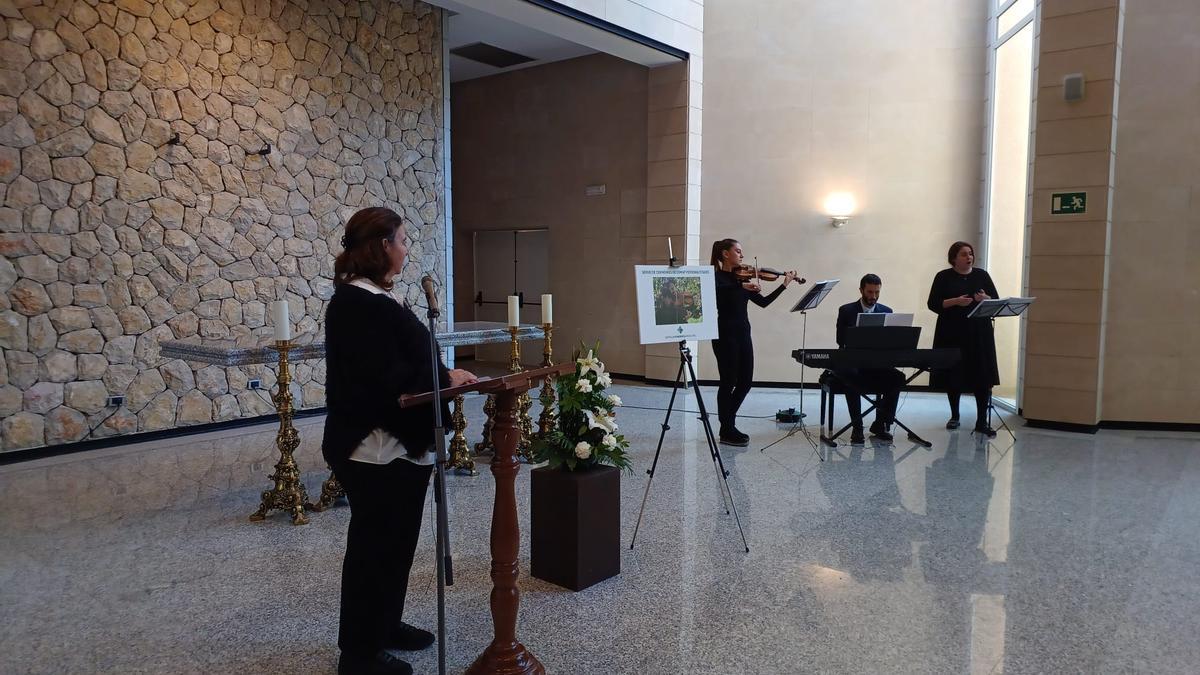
[{"x": 977, "y": 371}]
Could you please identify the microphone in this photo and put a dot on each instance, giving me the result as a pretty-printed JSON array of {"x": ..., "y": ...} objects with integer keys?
[{"x": 430, "y": 294}]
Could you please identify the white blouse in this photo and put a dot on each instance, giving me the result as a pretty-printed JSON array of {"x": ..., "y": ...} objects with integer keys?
[{"x": 380, "y": 447}]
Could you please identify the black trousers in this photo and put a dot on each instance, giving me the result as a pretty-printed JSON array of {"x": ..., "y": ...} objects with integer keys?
[
  {"x": 883, "y": 381},
  {"x": 983, "y": 396},
  {"x": 386, "y": 505},
  {"x": 735, "y": 365}
]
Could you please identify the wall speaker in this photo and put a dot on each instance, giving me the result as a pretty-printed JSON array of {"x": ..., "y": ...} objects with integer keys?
[{"x": 1073, "y": 87}]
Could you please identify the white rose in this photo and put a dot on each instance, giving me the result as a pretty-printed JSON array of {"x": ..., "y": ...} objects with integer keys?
[
  {"x": 583, "y": 449},
  {"x": 614, "y": 399},
  {"x": 584, "y": 385},
  {"x": 610, "y": 440}
]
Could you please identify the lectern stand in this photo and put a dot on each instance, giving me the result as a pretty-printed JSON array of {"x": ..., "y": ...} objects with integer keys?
[
  {"x": 994, "y": 309},
  {"x": 505, "y": 654}
]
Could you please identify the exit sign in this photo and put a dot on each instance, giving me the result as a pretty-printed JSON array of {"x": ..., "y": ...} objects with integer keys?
[{"x": 1066, "y": 203}]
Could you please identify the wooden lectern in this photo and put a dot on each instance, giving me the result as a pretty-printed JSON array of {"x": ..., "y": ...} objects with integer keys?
[{"x": 505, "y": 654}]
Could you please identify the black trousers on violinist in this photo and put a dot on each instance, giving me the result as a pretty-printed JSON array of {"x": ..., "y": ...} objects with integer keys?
[{"x": 735, "y": 364}]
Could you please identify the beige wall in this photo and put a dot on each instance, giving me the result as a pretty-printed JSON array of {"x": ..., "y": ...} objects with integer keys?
[
  {"x": 526, "y": 145},
  {"x": 1151, "y": 365},
  {"x": 801, "y": 99},
  {"x": 114, "y": 240},
  {"x": 1067, "y": 265}
]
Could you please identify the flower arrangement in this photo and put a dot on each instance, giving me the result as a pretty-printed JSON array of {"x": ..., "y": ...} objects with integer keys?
[{"x": 586, "y": 434}]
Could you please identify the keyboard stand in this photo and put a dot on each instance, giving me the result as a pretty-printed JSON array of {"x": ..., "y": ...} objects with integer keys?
[{"x": 829, "y": 438}]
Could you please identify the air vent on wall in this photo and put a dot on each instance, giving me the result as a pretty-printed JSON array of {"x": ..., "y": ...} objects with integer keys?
[{"x": 490, "y": 55}]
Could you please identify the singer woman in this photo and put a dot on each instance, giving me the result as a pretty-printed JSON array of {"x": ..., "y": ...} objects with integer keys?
[
  {"x": 733, "y": 348},
  {"x": 376, "y": 349},
  {"x": 955, "y": 292}
]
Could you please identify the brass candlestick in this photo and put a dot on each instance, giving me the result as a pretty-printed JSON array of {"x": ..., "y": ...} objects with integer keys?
[
  {"x": 489, "y": 411},
  {"x": 460, "y": 456},
  {"x": 548, "y": 418},
  {"x": 289, "y": 493},
  {"x": 524, "y": 403},
  {"x": 331, "y": 491}
]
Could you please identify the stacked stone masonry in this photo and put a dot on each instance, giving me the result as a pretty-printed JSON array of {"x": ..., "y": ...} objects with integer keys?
[{"x": 114, "y": 238}]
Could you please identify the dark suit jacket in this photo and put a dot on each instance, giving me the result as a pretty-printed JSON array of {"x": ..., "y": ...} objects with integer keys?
[{"x": 848, "y": 316}]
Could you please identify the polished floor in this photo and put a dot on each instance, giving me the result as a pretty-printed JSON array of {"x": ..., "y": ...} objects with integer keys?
[{"x": 1048, "y": 553}]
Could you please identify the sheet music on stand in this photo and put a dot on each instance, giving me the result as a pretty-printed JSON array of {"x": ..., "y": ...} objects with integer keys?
[
  {"x": 815, "y": 295},
  {"x": 998, "y": 307}
]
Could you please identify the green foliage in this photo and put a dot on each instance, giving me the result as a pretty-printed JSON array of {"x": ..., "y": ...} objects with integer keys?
[{"x": 586, "y": 432}]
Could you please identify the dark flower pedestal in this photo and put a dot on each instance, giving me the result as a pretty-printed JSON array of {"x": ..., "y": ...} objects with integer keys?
[{"x": 575, "y": 526}]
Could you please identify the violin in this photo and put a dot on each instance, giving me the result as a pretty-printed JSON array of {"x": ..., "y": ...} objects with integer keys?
[{"x": 745, "y": 273}]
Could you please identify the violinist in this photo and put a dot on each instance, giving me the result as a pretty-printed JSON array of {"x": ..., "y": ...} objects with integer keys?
[{"x": 737, "y": 285}]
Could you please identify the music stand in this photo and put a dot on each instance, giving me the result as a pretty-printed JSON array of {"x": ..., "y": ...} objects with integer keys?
[
  {"x": 808, "y": 301},
  {"x": 995, "y": 308}
]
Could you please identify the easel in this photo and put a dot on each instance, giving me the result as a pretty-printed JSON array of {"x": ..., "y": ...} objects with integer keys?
[
  {"x": 808, "y": 301},
  {"x": 994, "y": 309},
  {"x": 685, "y": 360}
]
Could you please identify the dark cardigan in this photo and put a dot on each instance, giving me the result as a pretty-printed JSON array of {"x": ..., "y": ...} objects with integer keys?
[{"x": 375, "y": 350}]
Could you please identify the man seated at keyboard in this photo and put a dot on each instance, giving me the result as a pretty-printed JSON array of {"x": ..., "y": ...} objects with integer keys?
[{"x": 884, "y": 381}]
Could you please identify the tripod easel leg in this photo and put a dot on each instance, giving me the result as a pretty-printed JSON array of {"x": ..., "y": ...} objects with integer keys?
[
  {"x": 685, "y": 359},
  {"x": 718, "y": 463},
  {"x": 654, "y": 464}
]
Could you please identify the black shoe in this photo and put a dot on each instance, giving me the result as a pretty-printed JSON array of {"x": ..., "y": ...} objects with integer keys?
[
  {"x": 856, "y": 436},
  {"x": 952, "y": 423},
  {"x": 728, "y": 438},
  {"x": 382, "y": 662},
  {"x": 985, "y": 430},
  {"x": 409, "y": 638},
  {"x": 879, "y": 430},
  {"x": 737, "y": 433}
]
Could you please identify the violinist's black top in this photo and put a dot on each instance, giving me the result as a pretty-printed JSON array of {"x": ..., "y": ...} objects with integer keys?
[{"x": 732, "y": 299}]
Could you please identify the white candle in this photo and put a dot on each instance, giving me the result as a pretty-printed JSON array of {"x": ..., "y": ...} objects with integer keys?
[
  {"x": 670, "y": 253},
  {"x": 514, "y": 311},
  {"x": 279, "y": 316},
  {"x": 547, "y": 314}
]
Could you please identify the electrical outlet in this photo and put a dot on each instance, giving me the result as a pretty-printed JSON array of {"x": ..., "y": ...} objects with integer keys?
[
  {"x": 116, "y": 401},
  {"x": 255, "y": 384}
]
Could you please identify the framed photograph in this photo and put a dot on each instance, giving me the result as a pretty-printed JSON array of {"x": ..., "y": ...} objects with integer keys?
[{"x": 676, "y": 303}]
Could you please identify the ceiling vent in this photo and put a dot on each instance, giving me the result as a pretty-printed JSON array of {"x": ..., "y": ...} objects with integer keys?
[{"x": 490, "y": 55}]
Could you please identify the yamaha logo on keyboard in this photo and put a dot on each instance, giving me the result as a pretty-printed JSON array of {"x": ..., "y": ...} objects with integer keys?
[{"x": 817, "y": 355}]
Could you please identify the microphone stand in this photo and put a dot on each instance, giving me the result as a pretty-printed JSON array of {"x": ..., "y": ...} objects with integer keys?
[{"x": 445, "y": 566}]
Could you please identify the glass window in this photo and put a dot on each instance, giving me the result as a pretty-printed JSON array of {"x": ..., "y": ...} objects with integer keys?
[{"x": 1013, "y": 16}]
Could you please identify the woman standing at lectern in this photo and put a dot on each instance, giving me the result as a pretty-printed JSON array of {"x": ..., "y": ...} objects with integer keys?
[
  {"x": 376, "y": 349},
  {"x": 733, "y": 348},
  {"x": 955, "y": 292}
]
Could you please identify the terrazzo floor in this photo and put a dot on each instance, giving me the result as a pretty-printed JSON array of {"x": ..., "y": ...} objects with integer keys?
[{"x": 1051, "y": 552}]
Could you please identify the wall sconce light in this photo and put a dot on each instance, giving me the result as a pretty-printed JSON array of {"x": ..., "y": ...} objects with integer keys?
[{"x": 839, "y": 206}]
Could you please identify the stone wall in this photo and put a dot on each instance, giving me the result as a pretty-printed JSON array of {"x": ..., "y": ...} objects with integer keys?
[{"x": 115, "y": 239}]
